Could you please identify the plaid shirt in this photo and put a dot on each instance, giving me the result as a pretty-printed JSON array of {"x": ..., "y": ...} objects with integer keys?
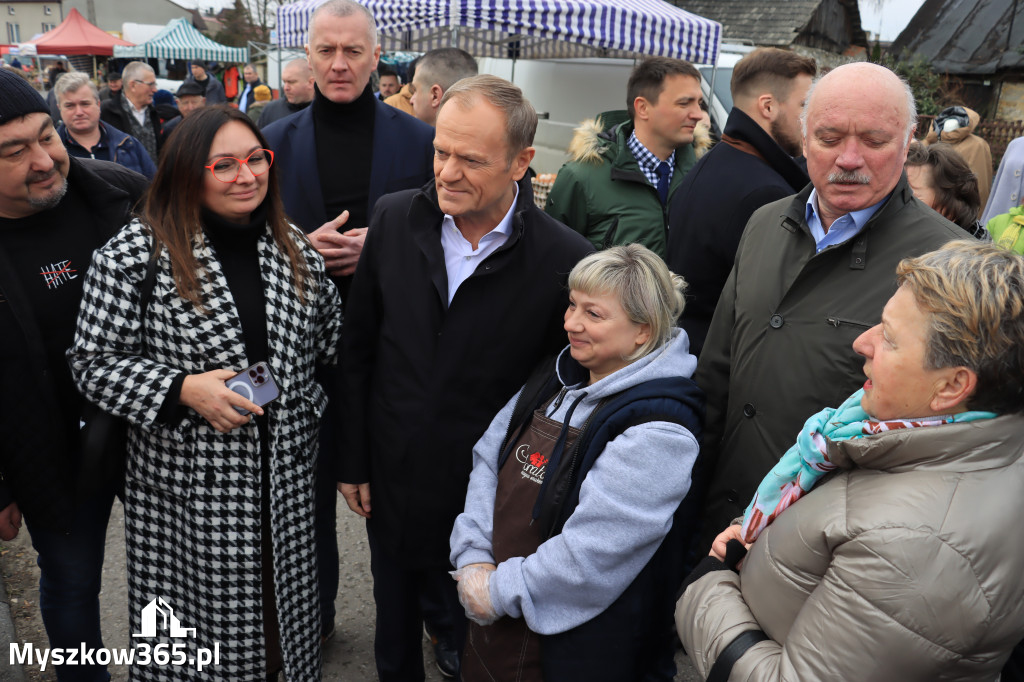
[{"x": 648, "y": 161}]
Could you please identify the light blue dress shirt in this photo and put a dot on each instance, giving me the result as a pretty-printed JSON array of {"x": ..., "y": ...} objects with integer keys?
[
  {"x": 843, "y": 229},
  {"x": 460, "y": 260}
]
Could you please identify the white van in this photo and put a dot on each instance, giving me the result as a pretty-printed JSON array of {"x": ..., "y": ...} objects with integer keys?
[{"x": 568, "y": 91}]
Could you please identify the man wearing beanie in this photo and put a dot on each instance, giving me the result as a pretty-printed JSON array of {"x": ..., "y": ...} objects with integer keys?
[{"x": 54, "y": 211}]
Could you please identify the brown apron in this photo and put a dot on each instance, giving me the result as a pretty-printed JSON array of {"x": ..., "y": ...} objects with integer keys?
[{"x": 508, "y": 649}]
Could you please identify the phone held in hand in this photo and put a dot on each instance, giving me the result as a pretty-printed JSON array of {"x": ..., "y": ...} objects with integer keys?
[{"x": 256, "y": 384}]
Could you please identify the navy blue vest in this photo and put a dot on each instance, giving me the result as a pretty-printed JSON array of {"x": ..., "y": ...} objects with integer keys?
[{"x": 634, "y": 638}]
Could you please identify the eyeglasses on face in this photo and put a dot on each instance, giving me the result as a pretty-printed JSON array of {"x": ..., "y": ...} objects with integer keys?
[
  {"x": 228, "y": 168},
  {"x": 148, "y": 84}
]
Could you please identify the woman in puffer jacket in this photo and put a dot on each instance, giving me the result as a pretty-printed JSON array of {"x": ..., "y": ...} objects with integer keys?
[{"x": 884, "y": 546}]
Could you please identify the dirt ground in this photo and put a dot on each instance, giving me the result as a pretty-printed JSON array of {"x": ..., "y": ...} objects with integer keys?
[{"x": 348, "y": 656}]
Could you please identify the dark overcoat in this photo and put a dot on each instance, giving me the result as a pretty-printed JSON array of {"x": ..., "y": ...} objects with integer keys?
[
  {"x": 742, "y": 173},
  {"x": 425, "y": 379}
]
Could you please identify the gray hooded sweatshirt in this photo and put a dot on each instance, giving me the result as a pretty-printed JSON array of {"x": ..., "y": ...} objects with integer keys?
[{"x": 625, "y": 508}]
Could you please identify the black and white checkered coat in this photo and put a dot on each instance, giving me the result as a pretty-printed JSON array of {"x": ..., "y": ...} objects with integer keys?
[{"x": 192, "y": 508}]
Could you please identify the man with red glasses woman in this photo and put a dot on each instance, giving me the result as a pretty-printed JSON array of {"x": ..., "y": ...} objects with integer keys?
[{"x": 219, "y": 489}]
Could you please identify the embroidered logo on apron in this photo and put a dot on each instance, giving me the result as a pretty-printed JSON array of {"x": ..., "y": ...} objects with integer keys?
[{"x": 533, "y": 463}]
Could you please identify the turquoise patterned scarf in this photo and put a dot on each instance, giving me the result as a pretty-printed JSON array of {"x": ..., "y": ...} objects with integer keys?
[{"x": 807, "y": 461}]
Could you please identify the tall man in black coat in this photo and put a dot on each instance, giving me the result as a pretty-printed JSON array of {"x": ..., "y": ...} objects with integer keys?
[
  {"x": 54, "y": 211},
  {"x": 753, "y": 166},
  {"x": 460, "y": 291},
  {"x": 335, "y": 158}
]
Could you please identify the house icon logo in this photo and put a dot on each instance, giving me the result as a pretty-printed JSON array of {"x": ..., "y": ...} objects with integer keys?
[{"x": 158, "y": 619}]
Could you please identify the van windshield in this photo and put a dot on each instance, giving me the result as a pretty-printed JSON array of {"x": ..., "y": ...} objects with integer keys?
[{"x": 722, "y": 79}]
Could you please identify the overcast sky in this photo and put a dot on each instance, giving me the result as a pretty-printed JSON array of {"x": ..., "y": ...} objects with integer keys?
[{"x": 890, "y": 19}]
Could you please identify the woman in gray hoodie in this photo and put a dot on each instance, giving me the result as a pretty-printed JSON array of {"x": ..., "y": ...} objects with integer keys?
[{"x": 568, "y": 548}]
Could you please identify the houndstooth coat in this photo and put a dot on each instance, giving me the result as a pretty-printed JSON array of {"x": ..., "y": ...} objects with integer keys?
[{"x": 192, "y": 507}]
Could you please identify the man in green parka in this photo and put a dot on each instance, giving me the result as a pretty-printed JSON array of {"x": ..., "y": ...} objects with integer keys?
[{"x": 618, "y": 186}]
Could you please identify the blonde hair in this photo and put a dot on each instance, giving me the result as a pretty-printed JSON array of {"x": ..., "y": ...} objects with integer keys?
[
  {"x": 973, "y": 294},
  {"x": 647, "y": 290}
]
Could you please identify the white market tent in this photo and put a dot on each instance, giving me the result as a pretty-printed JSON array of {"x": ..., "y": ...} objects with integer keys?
[
  {"x": 180, "y": 40},
  {"x": 528, "y": 29}
]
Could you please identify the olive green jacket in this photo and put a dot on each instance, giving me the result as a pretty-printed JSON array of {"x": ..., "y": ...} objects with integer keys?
[
  {"x": 779, "y": 345},
  {"x": 603, "y": 194},
  {"x": 902, "y": 567}
]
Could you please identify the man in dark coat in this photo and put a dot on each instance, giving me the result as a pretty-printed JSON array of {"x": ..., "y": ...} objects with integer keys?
[
  {"x": 134, "y": 113},
  {"x": 335, "y": 159},
  {"x": 752, "y": 167},
  {"x": 459, "y": 293},
  {"x": 296, "y": 93},
  {"x": 213, "y": 89},
  {"x": 54, "y": 211},
  {"x": 812, "y": 273}
]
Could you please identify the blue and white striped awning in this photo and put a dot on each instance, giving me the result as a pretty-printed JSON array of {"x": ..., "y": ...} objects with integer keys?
[
  {"x": 180, "y": 40},
  {"x": 525, "y": 29}
]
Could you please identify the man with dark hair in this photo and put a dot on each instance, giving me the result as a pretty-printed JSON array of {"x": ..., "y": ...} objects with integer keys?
[
  {"x": 213, "y": 89},
  {"x": 424, "y": 371},
  {"x": 387, "y": 82},
  {"x": 436, "y": 71},
  {"x": 400, "y": 100},
  {"x": 296, "y": 93},
  {"x": 335, "y": 159},
  {"x": 753, "y": 166},
  {"x": 617, "y": 187},
  {"x": 55, "y": 210}
]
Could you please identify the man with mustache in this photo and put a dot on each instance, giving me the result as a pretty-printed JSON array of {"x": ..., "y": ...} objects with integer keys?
[
  {"x": 812, "y": 272},
  {"x": 54, "y": 211}
]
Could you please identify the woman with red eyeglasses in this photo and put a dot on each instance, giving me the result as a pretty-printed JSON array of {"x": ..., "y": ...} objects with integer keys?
[{"x": 235, "y": 310}]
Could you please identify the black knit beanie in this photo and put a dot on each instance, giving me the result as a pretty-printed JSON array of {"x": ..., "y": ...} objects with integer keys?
[{"x": 18, "y": 98}]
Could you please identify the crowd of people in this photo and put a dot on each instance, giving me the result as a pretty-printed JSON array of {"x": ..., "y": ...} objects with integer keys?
[{"x": 570, "y": 430}]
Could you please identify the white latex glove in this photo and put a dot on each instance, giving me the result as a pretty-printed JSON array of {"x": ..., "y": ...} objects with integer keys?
[{"x": 475, "y": 592}]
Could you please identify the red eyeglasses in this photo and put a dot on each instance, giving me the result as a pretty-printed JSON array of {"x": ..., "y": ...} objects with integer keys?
[{"x": 228, "y": 168}]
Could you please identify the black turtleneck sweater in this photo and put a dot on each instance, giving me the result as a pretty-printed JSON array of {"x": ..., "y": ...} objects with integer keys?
[
  {"x": 344, "y": 142},
  {"x": 235, "y": 246}
]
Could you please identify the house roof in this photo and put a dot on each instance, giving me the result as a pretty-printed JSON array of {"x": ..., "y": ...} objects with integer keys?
[
  {"x": 776, "y": 23},
  {"x": 981, "y": 37}
]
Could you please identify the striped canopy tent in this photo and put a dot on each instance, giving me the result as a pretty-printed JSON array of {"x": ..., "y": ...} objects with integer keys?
[
  {"x": 528, "y": 29},
  {"x": 180, "y": 40}
]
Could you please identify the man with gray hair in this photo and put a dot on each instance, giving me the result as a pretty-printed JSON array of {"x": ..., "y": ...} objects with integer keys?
[
  {"x": 134, "y": 113},
  {"x": 87, "y": 137},
  {"x": 813, "y": 272},
  {"x": 444, "y": 267},
  {"x": 436, "y": 71}
]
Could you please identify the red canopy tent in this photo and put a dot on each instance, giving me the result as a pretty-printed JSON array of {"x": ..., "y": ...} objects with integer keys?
[{"x": 76, "y": 36}]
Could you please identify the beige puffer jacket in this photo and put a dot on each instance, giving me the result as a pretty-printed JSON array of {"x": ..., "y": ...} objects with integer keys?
[{"x": 905, "y": 566}]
